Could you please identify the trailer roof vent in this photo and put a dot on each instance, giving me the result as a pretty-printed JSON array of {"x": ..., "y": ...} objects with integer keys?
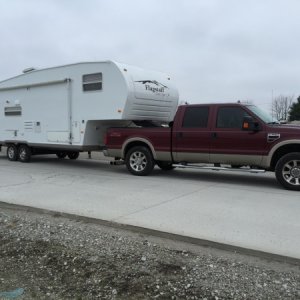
[{"x": 27, "y": 70}]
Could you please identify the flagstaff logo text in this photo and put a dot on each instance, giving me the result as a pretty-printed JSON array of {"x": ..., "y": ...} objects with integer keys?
[
  {"x": 155, "y": 86},
  {"x": 155, "y": 89}
]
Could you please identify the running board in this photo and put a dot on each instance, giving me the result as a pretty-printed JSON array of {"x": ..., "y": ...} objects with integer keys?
[{"x": 246, "y": 170}]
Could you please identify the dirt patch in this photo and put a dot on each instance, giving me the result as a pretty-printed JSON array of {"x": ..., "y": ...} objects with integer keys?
[{"x": 56, "y": 258}]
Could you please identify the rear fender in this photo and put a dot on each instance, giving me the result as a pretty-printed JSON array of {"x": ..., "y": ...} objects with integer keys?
[{"x": 138, "y": 141}]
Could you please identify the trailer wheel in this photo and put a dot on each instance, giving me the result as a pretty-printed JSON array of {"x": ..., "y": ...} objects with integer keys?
[
  {"x": 73, "y": 155},
  {"x": 24, "y": 153},
  {"x": 236, "y": 166},
  {"x": 12, "y": 152},
  {"x": 61, "y": 154},
  {"x": 165, "y": 165},
  {"x": 288, "y": 171},
  {"x": 139, "y": 161}
]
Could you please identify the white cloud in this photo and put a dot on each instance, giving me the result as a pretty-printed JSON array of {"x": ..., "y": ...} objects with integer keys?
[{"x": 216, "y": 50}]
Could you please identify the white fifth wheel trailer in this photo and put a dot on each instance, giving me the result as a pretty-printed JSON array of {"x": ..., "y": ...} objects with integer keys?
[{"x": 67, "y": 109}]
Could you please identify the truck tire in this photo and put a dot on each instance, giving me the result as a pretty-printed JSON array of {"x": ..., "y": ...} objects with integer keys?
[
  {"x": 139, "y": 161},
  {"x": 73, "y": 155},
  {"x": 24, "y": 153},
  {"x": 165, "y": 165},
  {"x": 12, "y": 152},
  {"x": 288, "y": 171}
]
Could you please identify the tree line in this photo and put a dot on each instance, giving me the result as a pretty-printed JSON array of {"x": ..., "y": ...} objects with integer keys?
[{"x": 285, "y": 109}]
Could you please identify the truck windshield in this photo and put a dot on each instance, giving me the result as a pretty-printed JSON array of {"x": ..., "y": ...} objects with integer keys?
[{"x": 262, "y": 115}]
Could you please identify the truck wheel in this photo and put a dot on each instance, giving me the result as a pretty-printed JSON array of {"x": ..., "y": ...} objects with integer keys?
[
  {"x": 73, "y": 155},
  {"x": 24, "y": 153},
  {"x": 288, "y": 171},
  {"x": 12, "y": 152},
  {"x": 165, "y": 165},
  {"x": 61, "y": 154},
  {"x": 139, "y": 161}
]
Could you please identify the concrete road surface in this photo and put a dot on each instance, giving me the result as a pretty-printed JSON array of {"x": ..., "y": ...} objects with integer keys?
[{"x": 239, "y": 209}]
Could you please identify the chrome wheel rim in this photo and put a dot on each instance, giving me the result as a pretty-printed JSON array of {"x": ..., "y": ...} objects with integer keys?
[
  {"x": 11, "y": 152},
  {"x": 291, "y": 172},
  {"x": 138, "y": 161},
  {"x": 22, "y": 154}
]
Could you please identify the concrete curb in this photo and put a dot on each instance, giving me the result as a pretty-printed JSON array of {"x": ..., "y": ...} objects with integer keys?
[{"x": 157, "y": 233}]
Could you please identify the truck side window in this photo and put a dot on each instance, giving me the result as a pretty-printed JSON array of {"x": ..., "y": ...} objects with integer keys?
[
  {"x": 92, "y": 82},
  {"x": 195, "y": 117},
  {"x": 231, "y": 117}
]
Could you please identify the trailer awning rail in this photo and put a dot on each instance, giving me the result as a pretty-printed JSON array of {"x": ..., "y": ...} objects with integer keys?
[{"x": 26, "y": 86}]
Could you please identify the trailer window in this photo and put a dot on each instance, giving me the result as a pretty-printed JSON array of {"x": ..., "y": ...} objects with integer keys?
[
  {"x": 13, "y": 111},
  {"x": 195, "y": 117},
  {"x": 92, "y": 82}
]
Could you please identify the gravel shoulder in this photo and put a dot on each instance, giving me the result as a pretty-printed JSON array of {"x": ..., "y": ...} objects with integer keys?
[{"x": 52, "y": 257}]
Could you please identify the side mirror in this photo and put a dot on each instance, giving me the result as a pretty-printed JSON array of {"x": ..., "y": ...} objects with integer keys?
[{"x": 250, "y": 125}]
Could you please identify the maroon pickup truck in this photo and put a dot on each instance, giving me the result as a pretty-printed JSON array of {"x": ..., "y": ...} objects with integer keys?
[{"x": 216, "y": 136}]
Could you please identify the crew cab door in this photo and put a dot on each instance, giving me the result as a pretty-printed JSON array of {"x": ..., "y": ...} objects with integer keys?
[
  {"x": 191, "y": 135},
  {"x": 230, "y": 144}
]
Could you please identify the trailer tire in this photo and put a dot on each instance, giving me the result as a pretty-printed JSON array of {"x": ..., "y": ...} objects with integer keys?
[
  {"x": 236, "y": 166},
  {"x": 165, "y": 165},
  {"x": 24, "y": 153},
  {"x": 139, "y": 161},
  {"x": 288, "y": 171},
  {"x": 12, "y": 152},
  {"x": 61, "y": 154},
  {"x": 73, "y": 155}
]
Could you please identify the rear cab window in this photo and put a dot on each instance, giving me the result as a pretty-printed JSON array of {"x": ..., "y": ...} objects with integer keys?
[{"x": 195, "y": 117}]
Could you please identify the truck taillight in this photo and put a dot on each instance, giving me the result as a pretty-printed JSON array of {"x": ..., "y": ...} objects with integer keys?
[{"x": 105, "y": 139}]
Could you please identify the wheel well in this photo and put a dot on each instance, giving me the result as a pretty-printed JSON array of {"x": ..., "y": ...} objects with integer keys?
[
  {"x": 134, "y": 144},
  {"x": 280, "y": 152},
  {"x": 9, "y": 144},
  {"x": 19, "y": 144}
]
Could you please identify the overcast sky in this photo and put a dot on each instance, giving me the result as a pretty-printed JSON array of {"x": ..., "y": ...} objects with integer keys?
[{"x": 215, "y": 50}]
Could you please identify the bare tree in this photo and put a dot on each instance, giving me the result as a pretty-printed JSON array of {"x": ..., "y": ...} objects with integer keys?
[{"x": 281, "y": 106}]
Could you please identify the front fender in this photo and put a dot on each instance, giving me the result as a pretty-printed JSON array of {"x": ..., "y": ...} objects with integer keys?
[{"x": 268, "y": 159}]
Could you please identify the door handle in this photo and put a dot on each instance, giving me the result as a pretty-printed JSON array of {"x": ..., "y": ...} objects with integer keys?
[{"x": 214, "y": 135}]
